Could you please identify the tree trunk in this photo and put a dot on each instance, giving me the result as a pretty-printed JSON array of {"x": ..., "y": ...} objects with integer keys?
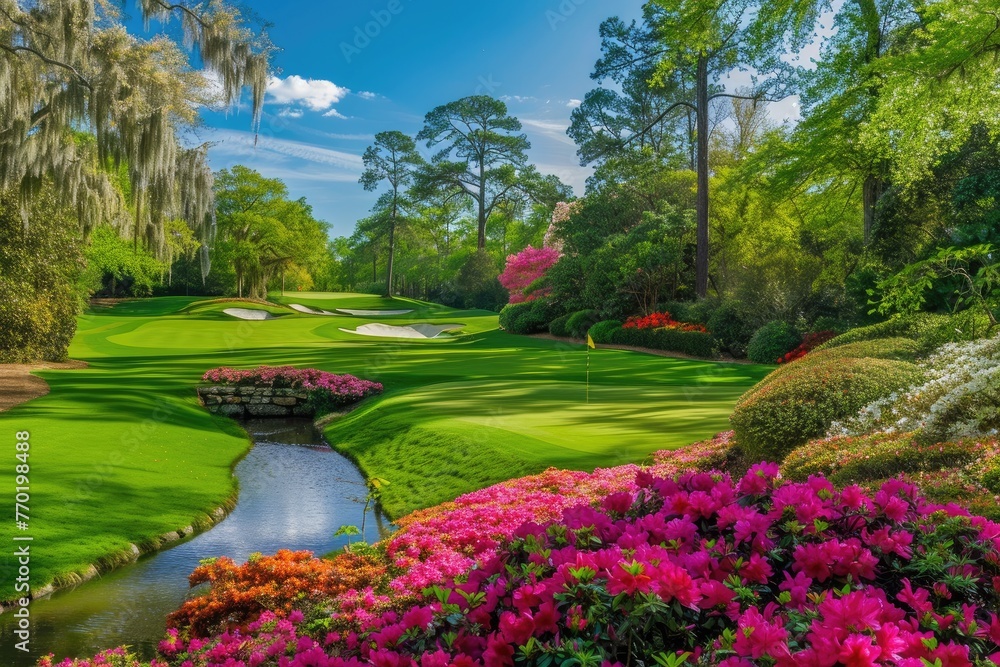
[
  {"x": 872, "y": 191},
  {"x": 482, "y": 207},
  {"x": 392, "y": 249},
  {"x": 701, "y": 204}
]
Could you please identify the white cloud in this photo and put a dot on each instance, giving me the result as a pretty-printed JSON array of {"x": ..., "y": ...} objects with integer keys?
[
  {"x": 333, "y": 113},
  {"x": 574, "y": 103},
  {"x": 570, "y": 173},
  {"x": 275, "y": 152},
  {"x": 367, "y": 95},
  {"x": 521, "y": 99},
  {"x": 291, "y": 113},
  {"x": 349, "y": 137},
  {"x": 554, "y": 130},
  {"x": 314, "y": 94}
]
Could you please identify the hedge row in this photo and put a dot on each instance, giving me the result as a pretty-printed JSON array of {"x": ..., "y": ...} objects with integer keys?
[{"x": 693, "y": 343}]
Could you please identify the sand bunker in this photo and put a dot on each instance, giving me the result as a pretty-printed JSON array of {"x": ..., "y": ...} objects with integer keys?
[
  {"x": 373, "y": 313},
  {"x": 309, "y": 311},
  {"x": 411, "y": 331},
  {"x": 247, "y": 314}
]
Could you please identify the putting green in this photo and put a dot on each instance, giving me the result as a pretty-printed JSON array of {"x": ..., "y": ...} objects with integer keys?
[{"x": 121, "y": 451}]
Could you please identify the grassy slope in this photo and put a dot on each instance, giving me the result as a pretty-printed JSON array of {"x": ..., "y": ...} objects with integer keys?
[{"x": 121, "y": 452}]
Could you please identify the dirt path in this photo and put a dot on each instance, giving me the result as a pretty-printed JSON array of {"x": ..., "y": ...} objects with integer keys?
[{"x": 18, "y": 385}]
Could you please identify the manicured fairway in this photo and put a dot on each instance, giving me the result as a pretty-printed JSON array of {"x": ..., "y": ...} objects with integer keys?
[{"x": 121, "y": 452}]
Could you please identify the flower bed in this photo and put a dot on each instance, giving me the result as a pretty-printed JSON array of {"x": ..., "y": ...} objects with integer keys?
[
  {"x": 628, "y": 564},
  {"x": 662, "y": 320},
  {"x": 326, "y": 391}
]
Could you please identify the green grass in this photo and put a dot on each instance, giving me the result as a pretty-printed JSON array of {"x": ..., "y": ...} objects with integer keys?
[{"x": 121, "y": 451}]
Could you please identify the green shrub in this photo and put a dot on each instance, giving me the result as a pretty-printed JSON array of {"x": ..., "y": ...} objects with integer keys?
[
  {"x": 476, "y": 284},
  {"x": 581, "y": 321},
  {"x": 899, "y": 349},
  {"x": 781, "y": 413},
  {"x": 773, "y": 341},
  {"x": 41, "y": 279},
  {"x": 897, "y": 327},
  {"x": 511, "y": 312},
  {"x": 991, "y": 474},
  {"x": 602, "y": 332},
  {"x": 930, "y": 330},
  {"x": 557, "y": 327},
  {"x": 827, "y": 323},
  {"x": 693, "y": 343},
  {"x": 733, "y": 325},
  {"x": 526, "y": 318},
  {"x": 859, "y": 459}
]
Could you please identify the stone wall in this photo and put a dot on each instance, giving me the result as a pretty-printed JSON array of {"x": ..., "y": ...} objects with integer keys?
[{"x": 247, "y": 402}]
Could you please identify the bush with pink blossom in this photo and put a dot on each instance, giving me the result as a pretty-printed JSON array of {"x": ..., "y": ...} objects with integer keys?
[
  {"x": 524, "y": 270},
  {"x": 645, "y": 568},
  {"x": 327, "y": 391}
]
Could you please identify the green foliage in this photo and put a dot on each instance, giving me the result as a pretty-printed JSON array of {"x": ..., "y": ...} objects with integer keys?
[
  {"x": 929, "y": 330},
  {"x": 580, "y": 322},
  {"x": 970, "y": 274},
  {"x": 733, "y": 324},
  {"x": 627, "y": 245},
  {"x": 827, "y": 323},
  {"x": 476, "y": 285},
  {"x": 117, "y": 268},
  {"x": 557, "y": 327},
  {"x": 693, "y": 343},
  {"x": 991, "y": 474},
  {"x": 860, "y": 459},
  {"x": 604, "y": 331},
  {"x": 262, "y": 233},
  {"x": 772, "y": 341},
  {"x": 525, "y": 318},
  {"x": 393, "y": 158},
  {"x": 804, "y": 399},
  {"x": 40, "y": 279}
]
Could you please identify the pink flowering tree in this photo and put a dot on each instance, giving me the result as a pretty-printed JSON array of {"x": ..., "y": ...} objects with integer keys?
[{"x": 524, "y": 269}]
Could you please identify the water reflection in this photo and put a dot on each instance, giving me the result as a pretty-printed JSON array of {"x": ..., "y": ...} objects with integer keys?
[{"x": 294, "y": 494}]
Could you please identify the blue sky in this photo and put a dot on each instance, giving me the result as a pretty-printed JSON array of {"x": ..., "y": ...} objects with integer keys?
[{"x": 347, "y": 70}]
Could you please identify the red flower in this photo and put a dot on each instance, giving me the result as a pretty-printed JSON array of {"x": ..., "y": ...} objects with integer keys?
[
  {"x": 498, "y": 652},
  {"x": 630, "y": 578}
]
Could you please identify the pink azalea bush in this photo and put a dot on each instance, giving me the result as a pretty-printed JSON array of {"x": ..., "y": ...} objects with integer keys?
[
  {"x": 630, "y": 564},
  {"x": 524, "y": 269},
  {"x": 326, "y": 390}
]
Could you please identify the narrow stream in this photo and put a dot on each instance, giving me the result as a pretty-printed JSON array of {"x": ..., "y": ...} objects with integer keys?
[{"x": 294, "y": 493}]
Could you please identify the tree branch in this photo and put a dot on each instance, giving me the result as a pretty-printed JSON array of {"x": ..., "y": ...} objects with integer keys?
[
  {"x": 49, "y": 61},
  {"x": 659, "y": 118}
]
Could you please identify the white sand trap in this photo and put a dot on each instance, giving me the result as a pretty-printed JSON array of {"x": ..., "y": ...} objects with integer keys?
[
  {"x": 373, "y": 313},
  {"x": 309, "y": 311},
  {"x": 411, "y": 331},
  {"x": 247, "y": 314}
]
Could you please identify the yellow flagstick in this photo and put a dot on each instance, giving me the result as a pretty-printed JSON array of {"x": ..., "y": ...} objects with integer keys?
[{"x": 590, "y": 346}]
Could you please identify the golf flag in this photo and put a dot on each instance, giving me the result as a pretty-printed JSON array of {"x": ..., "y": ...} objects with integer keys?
[{"x": 590, "y": 346}]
